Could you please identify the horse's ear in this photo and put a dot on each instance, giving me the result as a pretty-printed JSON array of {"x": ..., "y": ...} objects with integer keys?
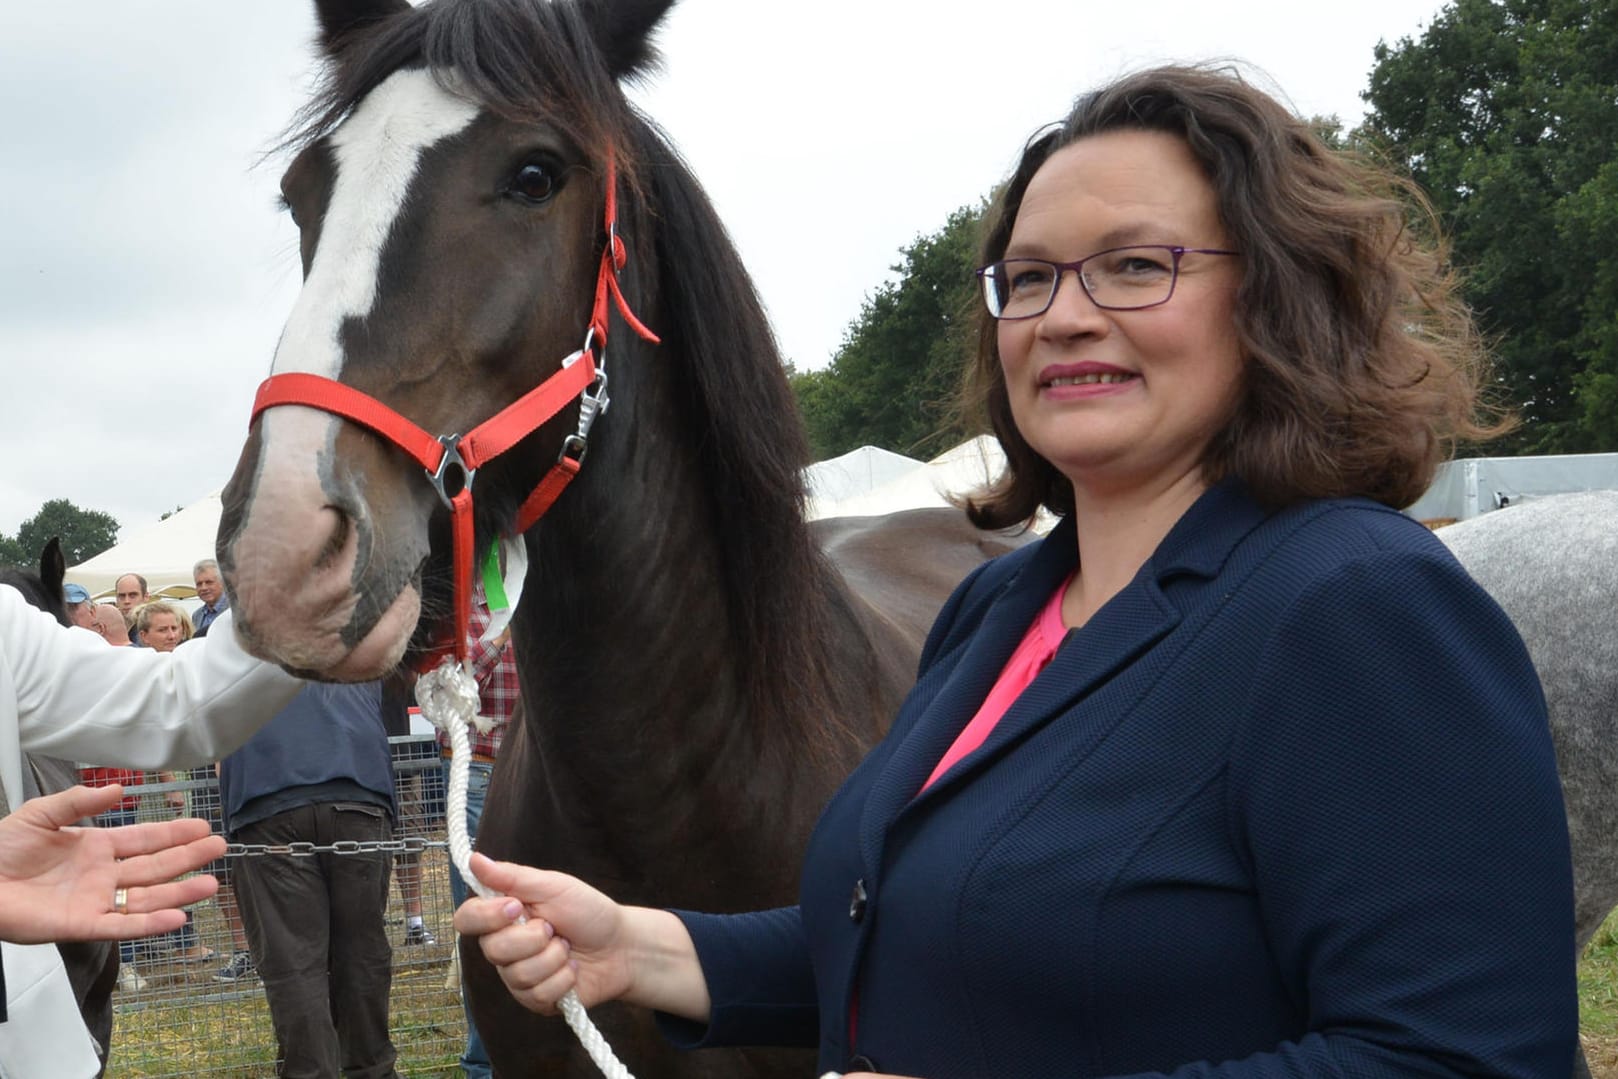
[
  {"x": 52, "y": 566},
  {"x": 623, "y": 31},
  {"x": 339, "y": 19}
]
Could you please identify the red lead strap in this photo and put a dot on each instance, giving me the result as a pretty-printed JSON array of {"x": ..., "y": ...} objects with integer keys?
[{"x": 494, "y": 436}]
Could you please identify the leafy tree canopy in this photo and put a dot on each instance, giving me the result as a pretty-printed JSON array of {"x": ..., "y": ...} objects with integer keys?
[
  {"x": 84, "y": 534},
  {"x": 12, "y": 554},
  {"x": 1506, "y": 112},
  {"x": 892, "y": 382}
]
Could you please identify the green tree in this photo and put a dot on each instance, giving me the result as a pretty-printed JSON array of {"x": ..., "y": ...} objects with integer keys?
[
  {"x": 84, "y": 533},
  {"x": 1506, "y": 112},
  {"x": 12, "y": 554},
  {"x": 892, "y": 382}
]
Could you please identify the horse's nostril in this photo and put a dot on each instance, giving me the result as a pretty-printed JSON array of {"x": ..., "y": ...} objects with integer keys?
[{"x": 341, "y": 528}]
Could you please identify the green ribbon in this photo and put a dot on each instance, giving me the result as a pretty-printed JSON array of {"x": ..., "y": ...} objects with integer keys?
[{"x": 494, "y": 585}]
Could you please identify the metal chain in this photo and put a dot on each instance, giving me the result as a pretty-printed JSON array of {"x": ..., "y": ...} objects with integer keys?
[{"x": 411, "y": 844}]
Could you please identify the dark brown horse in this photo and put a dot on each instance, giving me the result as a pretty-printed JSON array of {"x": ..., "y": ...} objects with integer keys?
[{"x": 699, "y": 667}]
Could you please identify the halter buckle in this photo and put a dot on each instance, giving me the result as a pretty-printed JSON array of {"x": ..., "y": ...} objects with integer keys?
[
  {"x": 574, "y": 447},
  {"x": 593, "y": 402},
  {"x": 441, "y": 477}
]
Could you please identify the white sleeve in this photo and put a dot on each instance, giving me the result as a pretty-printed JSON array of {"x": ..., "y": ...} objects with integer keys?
[{"x": 71, "y": 695}]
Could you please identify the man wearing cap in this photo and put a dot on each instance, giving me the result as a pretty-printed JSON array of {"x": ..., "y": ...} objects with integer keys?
[{"x": 80, "y": 607}]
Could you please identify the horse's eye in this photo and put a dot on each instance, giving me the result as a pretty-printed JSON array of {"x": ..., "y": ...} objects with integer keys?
[
  {"x": 535, "y": 182},
  {"x": 290, "y": 211}
]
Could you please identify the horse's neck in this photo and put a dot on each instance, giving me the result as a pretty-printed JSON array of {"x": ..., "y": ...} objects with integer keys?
[{"x": 632, "y": 664}]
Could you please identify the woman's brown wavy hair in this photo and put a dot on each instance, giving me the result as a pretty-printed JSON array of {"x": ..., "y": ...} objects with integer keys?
[{"x": 1364, "y": 368}]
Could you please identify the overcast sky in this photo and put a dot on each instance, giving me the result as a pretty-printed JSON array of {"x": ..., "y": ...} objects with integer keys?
[{"x": 145, "y": 271}]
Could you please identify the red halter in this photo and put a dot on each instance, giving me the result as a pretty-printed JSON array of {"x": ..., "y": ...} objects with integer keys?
[{"x": 448, "y": 457}]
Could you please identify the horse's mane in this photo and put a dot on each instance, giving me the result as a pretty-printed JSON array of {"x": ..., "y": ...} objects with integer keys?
[
  {"x": 751, "y": 442},
  {"x": 540, "y": 62}
]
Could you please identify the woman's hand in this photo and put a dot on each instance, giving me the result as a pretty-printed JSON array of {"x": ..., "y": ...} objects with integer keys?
[
  {"x": 59, "y": 882},
  {"x": 550, "y": 933}
]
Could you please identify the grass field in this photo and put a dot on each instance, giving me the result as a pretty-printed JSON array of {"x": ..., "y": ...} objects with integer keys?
[
  {"x": 1598, "y": 1001},
  {"x": 228, "y": 1035}
]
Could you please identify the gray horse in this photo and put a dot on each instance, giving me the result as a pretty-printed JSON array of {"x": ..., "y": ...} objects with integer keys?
[{"x": 1553, "y": 565}]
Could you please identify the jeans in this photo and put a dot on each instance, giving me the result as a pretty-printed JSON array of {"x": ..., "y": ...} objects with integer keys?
[
  {"x": 475, "y": 1059},
  {"x": 315, "y": 929}
]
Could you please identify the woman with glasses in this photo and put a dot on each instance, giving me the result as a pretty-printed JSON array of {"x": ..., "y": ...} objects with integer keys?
[{"x": 1237, "y": 772}]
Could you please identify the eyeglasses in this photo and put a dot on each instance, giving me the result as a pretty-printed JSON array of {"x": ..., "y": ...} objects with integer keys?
[{"x": 1117, "y": 279}]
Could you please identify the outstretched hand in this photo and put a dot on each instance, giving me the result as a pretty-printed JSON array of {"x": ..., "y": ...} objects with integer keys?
[{"x": 58, "y": 882}]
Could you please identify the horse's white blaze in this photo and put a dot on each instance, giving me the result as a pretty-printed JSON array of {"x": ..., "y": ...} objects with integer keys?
[
  {"x": 378, "y": 150},
  {"x": 299, "y": 589}
]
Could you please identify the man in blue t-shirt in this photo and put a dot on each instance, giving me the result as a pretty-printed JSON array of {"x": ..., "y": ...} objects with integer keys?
[{"x": 319, "y": 773}]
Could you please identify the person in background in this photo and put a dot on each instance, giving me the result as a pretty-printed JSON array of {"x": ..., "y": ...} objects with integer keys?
[
  {"x": 164, "y": 627},
  {"x": 494, "y": 667},
  {"x": 80, "y": 607},
  {"x": 122, "y": 814},
  {"x": 161, "y": 625},
  {"x": 205, "y": 575},
  {"x": 239, "y": 968},
  {"x": 1236, "y": 773},
  {"x": 67, "y": 695},
  {"x": 131, "y": 591},
  {"x": 410, "y": 820},
  {"x": 320, "y": 773},
  {"x": 109, "y": 622},
  {"x": 211, "y": 591}
]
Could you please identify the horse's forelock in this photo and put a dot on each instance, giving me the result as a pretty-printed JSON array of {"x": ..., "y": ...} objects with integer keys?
[{"x": 522, "y": 60}]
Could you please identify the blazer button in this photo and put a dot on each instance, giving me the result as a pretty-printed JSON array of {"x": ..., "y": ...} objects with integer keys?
[
  {"x": 856, "y": 904},
  {"x": 861, "y": 1063}
]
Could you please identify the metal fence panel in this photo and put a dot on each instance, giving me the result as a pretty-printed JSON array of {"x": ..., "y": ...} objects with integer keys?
[{"x": 174, "y": 1017}]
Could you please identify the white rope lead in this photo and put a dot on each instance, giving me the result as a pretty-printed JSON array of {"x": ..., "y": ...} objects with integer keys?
[{"x": 448, "y": 696}]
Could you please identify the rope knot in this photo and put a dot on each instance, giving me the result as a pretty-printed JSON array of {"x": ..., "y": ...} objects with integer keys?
[{"x": 448, "y": 693}]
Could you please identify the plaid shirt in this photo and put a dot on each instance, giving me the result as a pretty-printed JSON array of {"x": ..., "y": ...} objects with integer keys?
[{"x": 496, "y": 672}]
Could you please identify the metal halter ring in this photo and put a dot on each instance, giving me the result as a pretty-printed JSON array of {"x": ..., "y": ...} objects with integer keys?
[{"x": 120, "y": 900}]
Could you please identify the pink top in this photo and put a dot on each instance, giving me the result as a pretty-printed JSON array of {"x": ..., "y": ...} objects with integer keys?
[{"x": 1038, "y": 647}]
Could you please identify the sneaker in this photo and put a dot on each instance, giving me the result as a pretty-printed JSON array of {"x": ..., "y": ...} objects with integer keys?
[
  {"x": 239, "y": 969},
  {"x": 419, "y": 934},
  {"x": 129, "y": 979}
]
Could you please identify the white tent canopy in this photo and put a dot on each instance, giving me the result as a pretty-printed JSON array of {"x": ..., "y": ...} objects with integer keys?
[
  {"x": 954, "y": 472},
  {"x": 839, "y": 478},
  {"x": 163, "y": 552}
]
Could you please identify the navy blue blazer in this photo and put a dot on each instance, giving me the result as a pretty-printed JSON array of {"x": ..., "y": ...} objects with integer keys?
[{"x": 1285, "y": 806}]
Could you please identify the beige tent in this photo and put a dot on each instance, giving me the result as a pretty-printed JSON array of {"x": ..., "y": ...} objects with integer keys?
[
  {"x": 837, "y": 479},
  {"x": 960, "y": 471},
  {"x": 163, "y": 553}
]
